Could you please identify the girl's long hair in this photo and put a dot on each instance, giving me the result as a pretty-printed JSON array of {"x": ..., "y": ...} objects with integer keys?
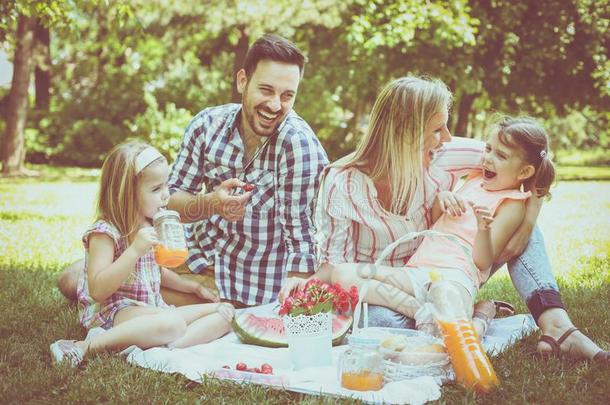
[
  {"x": 528, "y": 135},
  {"x": 394, "y": 142},
  {"x": 118, "y": 194}
]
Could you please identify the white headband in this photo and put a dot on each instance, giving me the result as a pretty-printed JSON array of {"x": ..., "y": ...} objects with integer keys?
[{"x": 146, "y": 157}]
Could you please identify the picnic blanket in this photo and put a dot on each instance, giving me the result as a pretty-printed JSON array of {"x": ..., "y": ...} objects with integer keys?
[{"x": 197, "y": 362}]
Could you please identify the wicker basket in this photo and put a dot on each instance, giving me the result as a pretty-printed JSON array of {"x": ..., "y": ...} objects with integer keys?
[{"x": 403, "y": 365}]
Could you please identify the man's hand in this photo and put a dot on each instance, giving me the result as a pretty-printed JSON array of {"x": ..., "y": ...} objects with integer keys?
[
  {"x": 230, "y": 207},
  {"x": 206, "y": 293},
  {"x": 291, "y": 284},
  {"x": 451, "y": 203}
]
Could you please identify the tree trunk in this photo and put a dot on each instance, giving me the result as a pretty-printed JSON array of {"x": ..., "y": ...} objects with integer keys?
[
  {"x": 42, "y": 74},
  {"x": 241, "y": 49},
  {"x": 13, "y": 150},
  {"x": 464, "y": 108}
]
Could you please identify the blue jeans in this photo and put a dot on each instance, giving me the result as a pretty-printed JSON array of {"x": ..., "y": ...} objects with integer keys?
[{"x": 530, "y": 273}]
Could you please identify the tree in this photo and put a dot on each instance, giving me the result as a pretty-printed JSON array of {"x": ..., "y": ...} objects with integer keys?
[
  {"x": 13, "y": 150},
  {"x": 25, "y": 13}
]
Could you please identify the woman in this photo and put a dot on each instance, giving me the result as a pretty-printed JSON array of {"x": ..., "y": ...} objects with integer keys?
[{"x": 387, "y": 186}]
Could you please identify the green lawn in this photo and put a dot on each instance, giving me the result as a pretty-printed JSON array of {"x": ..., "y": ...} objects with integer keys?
[{"x": 40, "y": 226}]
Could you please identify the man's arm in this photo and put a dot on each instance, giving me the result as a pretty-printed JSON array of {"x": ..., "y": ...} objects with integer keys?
[
  {"x": 298, "y": 180},
  {"x": 195, "y": 207},
  {"x": 186, "y": 180}
]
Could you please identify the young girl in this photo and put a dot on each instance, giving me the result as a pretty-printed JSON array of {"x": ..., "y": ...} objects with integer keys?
[
  {"x": 515, "y": 156},
  {"x": 119, "y": 289}
]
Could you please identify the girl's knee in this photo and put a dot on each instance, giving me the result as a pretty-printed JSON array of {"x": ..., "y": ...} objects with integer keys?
[
  {"x": 226, "y": 312},
  {"x": 170, "y": 325},
  {"x": 444, "y": 290}
]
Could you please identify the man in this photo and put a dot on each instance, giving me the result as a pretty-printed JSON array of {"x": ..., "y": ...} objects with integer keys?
[{"x": 255, "y": 238}]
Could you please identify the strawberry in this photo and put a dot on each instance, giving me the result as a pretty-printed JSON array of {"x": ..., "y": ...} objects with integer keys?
[
  {"x": 266, "y": 368},
  {"x": 241, "y": 367},
  {"x": 248, "y": 187}
]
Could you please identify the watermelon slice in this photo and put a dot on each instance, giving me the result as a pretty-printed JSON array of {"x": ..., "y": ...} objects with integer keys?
[{"x": 269, "y": 331}]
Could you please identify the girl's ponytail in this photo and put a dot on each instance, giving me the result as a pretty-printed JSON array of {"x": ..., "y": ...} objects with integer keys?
[{"x": 543, "y": 178}]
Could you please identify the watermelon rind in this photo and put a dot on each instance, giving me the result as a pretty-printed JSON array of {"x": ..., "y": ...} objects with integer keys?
[{"x": 258, "y": 338}]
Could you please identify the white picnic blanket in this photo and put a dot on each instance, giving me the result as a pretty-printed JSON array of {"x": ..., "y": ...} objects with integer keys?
[{"x": 198, "y": 361}]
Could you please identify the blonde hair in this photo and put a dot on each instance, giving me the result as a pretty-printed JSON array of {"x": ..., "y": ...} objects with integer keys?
[
  {"x": 394, "y": 141},
  {"x": 118, "y": 194}
]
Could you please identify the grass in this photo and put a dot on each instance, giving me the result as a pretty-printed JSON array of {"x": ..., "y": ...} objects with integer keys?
[{"x": 40, "y": 226}]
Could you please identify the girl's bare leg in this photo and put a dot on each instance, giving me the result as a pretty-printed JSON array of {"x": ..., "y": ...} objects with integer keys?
[
  {"x": 144, "y": 327},
  {"x": 206, "y": 322},
  {"x": 388, "y": 286}
]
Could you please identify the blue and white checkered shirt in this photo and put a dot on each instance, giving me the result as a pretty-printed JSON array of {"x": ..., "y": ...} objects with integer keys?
[{"x": 251, "y": 256}]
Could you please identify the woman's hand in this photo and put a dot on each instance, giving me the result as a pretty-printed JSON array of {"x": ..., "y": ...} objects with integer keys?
[
  {"x": 516, "y": 245},
  {"x": 291, "y": 284},
  {"x": 206, "y": 293},
  {"x": 451, "y": 203},
  {"x": 145, "y": 239},
  {"x": 484, "y": 217}
]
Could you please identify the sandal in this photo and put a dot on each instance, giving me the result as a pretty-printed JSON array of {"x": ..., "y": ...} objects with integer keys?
[
  {"x": 503, "y": 308},
  {"x": 602, "y": 357}
]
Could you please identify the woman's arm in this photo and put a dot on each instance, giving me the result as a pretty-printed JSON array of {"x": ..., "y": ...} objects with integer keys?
[
  {"x": 491, "y": 240},
  {"x": 518, "y": 242}
]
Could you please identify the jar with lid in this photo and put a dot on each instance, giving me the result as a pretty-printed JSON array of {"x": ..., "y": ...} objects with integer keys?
[
  {"x": 171, "y": 250},
  {"x": 361, "y": 365}
]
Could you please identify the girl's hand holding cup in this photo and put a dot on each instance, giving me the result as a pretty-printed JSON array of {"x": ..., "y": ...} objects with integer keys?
[{"x": 145, "y": 239}]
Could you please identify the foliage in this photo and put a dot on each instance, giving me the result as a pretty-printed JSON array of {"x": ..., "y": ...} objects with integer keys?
[{"x": 143, "y": 68}]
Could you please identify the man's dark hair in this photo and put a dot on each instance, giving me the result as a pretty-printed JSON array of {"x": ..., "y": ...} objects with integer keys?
[{"x": 275, "y": 48}]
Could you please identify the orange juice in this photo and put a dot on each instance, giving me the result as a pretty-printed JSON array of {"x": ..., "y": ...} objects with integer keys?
[
  {"x": 170, "y": 257},
  {"x": 470, "y": 362},
  {"x": 362, "y": 381}
]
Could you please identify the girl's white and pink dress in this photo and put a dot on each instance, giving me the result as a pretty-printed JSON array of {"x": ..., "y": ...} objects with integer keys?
[
  {"x": 441, "y": 253},
  {"x": 141, "y": 288}
]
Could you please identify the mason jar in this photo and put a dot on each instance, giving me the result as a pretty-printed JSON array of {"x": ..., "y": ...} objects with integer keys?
[
  {"x": 361, "y": 365},
  {"x": 171, "y": 251}
]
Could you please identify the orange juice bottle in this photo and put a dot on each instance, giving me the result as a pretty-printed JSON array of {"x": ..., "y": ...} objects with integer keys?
[
  {"x": 171, "y": 250},
  {"x": 470, "y": 362}
]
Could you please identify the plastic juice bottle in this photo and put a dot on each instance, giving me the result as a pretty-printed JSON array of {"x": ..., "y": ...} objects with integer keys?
[
  {"x": 171, "y": 250},
  {"x": 471, "y": 365}
]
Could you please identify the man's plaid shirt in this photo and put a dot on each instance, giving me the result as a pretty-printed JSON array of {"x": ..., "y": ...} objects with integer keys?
[{"x": 251, "y": 256}]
